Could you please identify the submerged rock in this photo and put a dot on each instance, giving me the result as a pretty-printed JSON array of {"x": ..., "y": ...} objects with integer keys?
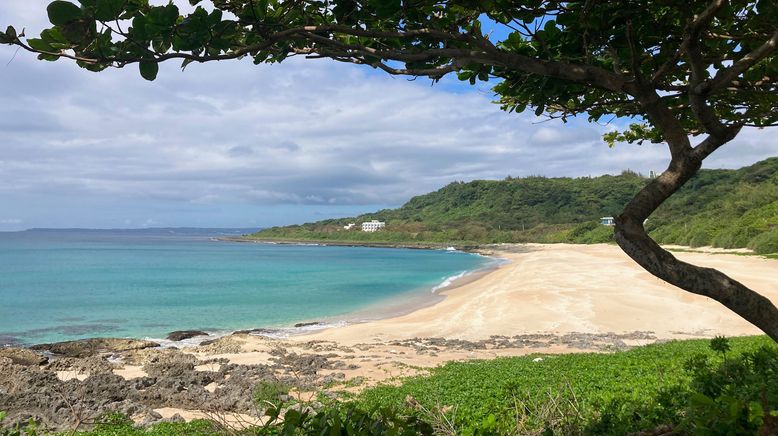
[
  {"x": 185, "y": 334},
  {"x": 93, "y": 346}
]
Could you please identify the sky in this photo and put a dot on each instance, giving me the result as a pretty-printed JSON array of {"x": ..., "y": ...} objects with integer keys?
[{"x": 232, "y": 144}]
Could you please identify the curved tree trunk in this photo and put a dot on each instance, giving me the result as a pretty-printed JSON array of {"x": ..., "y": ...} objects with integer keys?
[{"x": 633, "y": 239}]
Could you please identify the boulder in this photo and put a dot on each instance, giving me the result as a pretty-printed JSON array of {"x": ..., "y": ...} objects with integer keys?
[{"x": 185, "y": 334}]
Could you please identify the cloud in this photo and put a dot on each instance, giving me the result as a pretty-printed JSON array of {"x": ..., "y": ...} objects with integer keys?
[{"x": 309, "y": 133}]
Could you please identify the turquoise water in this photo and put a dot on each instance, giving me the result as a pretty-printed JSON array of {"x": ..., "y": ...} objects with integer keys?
[{"x": 62, "y": 285}]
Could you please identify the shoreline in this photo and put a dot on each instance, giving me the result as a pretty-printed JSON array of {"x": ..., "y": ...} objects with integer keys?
[
  {"x": 391, "y": 307},
  {"x": 469, "y": 248},
  {"x": 502, "y": 254},
  {"x": 550, "y": 299}
]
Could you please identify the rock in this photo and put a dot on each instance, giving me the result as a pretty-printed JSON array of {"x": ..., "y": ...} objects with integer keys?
[
  {"x": 22, "y": 356},
  {"x": 170, "y": 363},
  {"x": 175, "y": 418},
  {"x": 93, "y": 346},
  {"x": 307, "y": 324},
  {"x": 87, "y": 365},
  {"x": 185, "y": 334}
]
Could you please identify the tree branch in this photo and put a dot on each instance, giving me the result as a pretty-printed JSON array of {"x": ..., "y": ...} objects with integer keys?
[
  {"x": 693, "y": 30},
  {"x": 724, "y": 77}
]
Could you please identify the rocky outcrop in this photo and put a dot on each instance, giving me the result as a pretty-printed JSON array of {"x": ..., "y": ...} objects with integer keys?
[
  {"x": 23, "y": 356},
  {"x": 94, "y": 346},
  {"x": 173, "y": 378},
  {"x": 185, "y": 334}
]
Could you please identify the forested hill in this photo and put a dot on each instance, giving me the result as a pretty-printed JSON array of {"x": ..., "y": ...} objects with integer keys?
[{"x": 726, "y": 208}]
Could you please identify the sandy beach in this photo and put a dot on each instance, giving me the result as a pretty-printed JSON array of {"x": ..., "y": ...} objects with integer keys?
[
  {"x": 563, "y": 288},
  {"x": 547, "y": 299}
]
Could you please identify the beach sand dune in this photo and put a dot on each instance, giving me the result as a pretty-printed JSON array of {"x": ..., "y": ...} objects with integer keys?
[{"x": 564, "y": 288}]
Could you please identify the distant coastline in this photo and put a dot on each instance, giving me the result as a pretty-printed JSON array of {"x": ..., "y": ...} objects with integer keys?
[{"x": 469, "y": 248}]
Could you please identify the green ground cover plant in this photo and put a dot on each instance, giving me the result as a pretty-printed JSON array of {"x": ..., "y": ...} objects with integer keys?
[{"x": 723, "y": 386}]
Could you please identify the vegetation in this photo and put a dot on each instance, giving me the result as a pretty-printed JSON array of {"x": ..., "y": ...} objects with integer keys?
[
  {"x": 690, "y": 387},
  {"x": 720, "y": 208}
]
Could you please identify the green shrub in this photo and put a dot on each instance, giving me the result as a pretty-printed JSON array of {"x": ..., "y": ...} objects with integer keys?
[
  {"x": 270, "y": 392},
  {"x": 733, "y": 395},
  {"x": 766, "y": 243}
]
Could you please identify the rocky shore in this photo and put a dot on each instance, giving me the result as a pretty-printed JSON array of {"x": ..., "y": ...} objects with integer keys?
[{"x": 70, "y": 385}]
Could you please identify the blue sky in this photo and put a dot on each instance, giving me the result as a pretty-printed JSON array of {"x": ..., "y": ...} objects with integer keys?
[{"x": 238, "y": 145}]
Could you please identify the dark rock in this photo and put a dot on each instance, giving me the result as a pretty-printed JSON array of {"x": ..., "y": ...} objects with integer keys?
[
  {"x": 307, "y": 324},
  {"x": 185, "y": 334},
  {"x": 93, "y": 346},
  {"x": 22, "y": 356}
]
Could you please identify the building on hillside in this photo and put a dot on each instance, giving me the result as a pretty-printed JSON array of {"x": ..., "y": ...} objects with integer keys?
[
  {"x": 652, "y": 174},
  {"x": 607, "y": 221},
  {"x": 349, "y": 226},
  {"x": 373, "y": 226}
]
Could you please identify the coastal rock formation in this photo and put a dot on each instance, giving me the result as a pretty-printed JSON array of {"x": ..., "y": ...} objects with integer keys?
[
  {"x": 73, "y": 392},
  {"x": 94, "y": 346},
  {"x": 185, "y": 334},
  {"x": 22, "y": 356}
]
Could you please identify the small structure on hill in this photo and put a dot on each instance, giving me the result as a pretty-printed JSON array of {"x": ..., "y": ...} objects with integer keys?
[
  {"x": 349, "y": 226},
  {"x": 373, "y": 226},
  {"x": 607, "y": 221}
]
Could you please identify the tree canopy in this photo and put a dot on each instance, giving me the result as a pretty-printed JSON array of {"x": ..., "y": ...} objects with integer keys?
[{"x": 700, "y": 71}]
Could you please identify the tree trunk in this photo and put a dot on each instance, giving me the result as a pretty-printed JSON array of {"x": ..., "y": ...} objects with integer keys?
[{"x": 633, "y": 239}]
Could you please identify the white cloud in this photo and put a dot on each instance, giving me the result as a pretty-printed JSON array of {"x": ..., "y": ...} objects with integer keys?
[{"x": 304, "y": 132}]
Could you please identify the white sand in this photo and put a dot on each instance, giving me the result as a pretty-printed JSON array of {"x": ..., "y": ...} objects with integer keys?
[{"x": 562, "y": 288}]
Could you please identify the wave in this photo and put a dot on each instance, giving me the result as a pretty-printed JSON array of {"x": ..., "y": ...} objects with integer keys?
[{"x": 448, "y": 281}]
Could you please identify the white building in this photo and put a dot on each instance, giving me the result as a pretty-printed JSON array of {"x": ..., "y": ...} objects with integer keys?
[
  {"x": 373, "y": 226},
  {"x": 349, "y": 226},
  {"x": 607, "y": 221}
]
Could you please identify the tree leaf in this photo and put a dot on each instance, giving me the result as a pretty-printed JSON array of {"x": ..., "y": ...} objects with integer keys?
[
  {"x": 149, "y": 70},
  {"x": 62, "y": 12},
  {"x": 109, "y": 10}
]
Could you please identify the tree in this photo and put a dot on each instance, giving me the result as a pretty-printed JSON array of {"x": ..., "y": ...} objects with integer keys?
[{"x": 691, "y": 75}]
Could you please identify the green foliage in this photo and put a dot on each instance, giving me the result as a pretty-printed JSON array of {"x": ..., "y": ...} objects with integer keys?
[
  {"x": 617, "y": 393},
  {"x": 765, "y": 243},
  {"x": 723, "y": 208},
  {"x": 733, "y": 395},
  {"x": 344, "y": 419},
  {"x": 720, "y": 344},
  {"x": 30, "y": 429},
  {"x": 62, "y": 13},
  {"x": 270, "y": 392},
  {"x": 149, "y": 70}
]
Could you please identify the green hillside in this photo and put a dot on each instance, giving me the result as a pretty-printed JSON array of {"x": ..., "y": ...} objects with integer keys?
[{"x": 724, "y": 208}]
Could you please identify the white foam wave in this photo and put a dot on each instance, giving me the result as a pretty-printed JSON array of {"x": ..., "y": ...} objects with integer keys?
[
  {"x": 448, "y": 281},
  {"x": 286, "y": 332}
]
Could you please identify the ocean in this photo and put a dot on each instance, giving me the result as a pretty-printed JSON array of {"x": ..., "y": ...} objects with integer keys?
[{"x": 58, "y": 285}]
